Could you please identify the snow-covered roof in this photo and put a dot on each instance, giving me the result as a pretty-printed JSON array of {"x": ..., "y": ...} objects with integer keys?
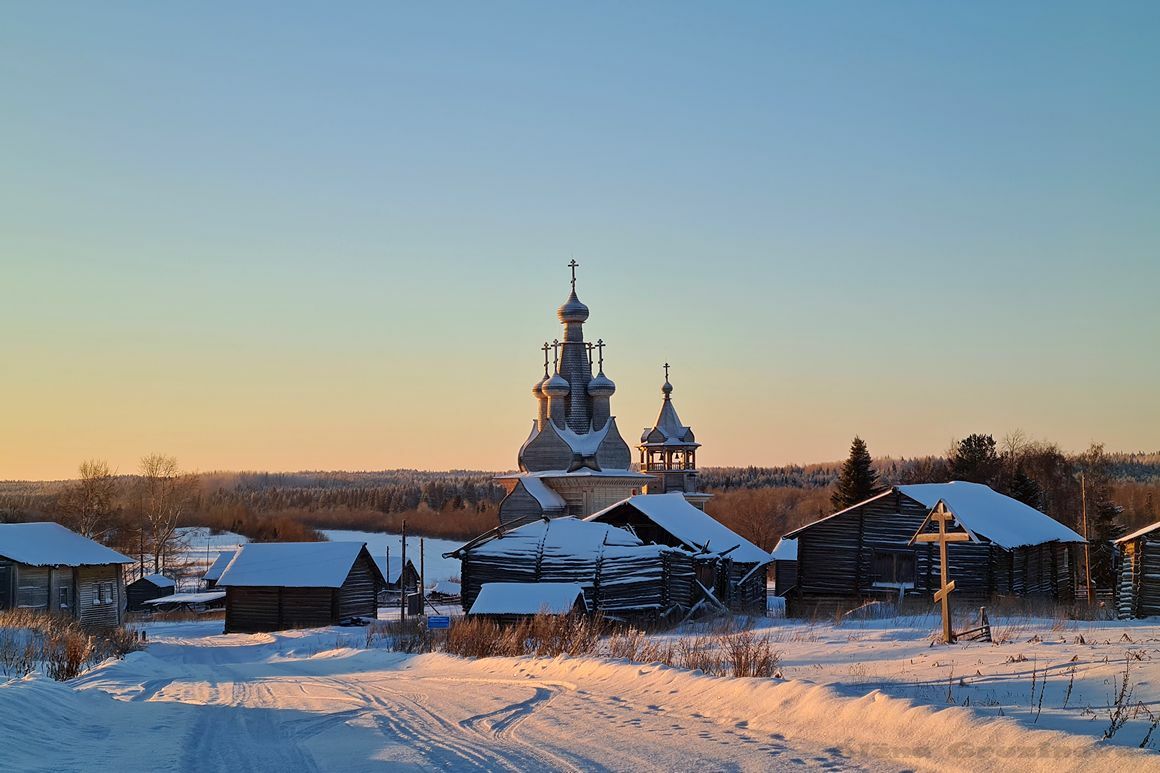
[
  {"x": 785, "y": 550},
  {"x": 690, "y": 525},
  {"x": 293, "y": 564},
  {"x": 219, "y": 565},
  {"x": 1139, "y": 533},
  {"x": 446, "y": 588},
  {"x": 984, "y": 512},
  {"x": 50, "y": 544},
  {"x": 565, "y": 535},
  {"x": 980, "y": 510},
  {"x": 547, "y": 497},
  {"x": 395, "y": 569},
  {"x": 668, "y": 430},
  {"x": 189, "y": 598},
  {"x": 160, "y": 580},
  {"x": 527, "y": 598}
]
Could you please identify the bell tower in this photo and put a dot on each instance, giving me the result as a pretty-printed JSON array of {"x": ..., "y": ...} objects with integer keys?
[{"x": 668, "y": 452}]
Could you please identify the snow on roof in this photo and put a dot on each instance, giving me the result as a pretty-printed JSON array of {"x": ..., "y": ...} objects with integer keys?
[
  {"x": 547, "y": 497},
  {"x": 562, "y": 535},
  {"x": 160, "y": 580},
  {"x": 219, "y": 565},
  {"x": 985, "y": 512},
  {"x": 189, "y": 598},
  {"x": 527, "y": 598},
  {"x": 292, "y": 564},
  {"x": 693, "y": 527},
  {"x": 1139, "y": 533},
  {"x": 446, "y": 588},
  {"x": 785, "y": 550},
  {"x": 391, "y": 572},
  {"x": 50, "y": 544}
]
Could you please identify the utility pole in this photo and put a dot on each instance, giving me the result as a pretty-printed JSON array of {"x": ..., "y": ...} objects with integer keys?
[
  {"x": 423, "y": 574},
  {"x": 1087, "y": 552},
  {"x": 403, "y": 577}
]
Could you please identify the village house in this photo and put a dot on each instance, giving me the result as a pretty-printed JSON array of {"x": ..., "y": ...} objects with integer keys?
[
  {"x": 214, "y": 573},
  {"x": 784, "y": 566},
  {"x": 509, "y": 602},
  {"x": 45, "y": 566},
  {"x": 147, "y": 588},
  {"x": 274, "y": 586},
  {"x": 1138, "y": 589},
  {"x": 729, "y": 565},
  {"x": 864, "y": 552}
]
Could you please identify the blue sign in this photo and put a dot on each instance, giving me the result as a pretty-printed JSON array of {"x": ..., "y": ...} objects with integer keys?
[{"x": 438, "y": 622}]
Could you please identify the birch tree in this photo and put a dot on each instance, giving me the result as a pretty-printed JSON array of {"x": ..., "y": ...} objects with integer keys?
[{"x": 165, "y": 492}]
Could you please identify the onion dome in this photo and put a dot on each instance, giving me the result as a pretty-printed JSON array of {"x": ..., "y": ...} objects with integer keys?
[
  {"x": 538, "y": 387},
  {"x": 556, "y": 386},
  {"x": 667, "y": 389},
  {"x": 572, "y": 310},
  {"x": 601, "y": 386}
]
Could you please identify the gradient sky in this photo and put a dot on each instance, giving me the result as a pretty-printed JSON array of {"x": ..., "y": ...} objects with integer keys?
[{"x": 333, "y": 236}]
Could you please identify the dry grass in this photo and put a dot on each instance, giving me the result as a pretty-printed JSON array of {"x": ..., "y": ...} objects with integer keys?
[{"x": 59, "y": 646}]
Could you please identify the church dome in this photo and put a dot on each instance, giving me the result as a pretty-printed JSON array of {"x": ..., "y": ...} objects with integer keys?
[
  {"x": 556, "y": 386},
  {"x": 601, "y": 386},
  {"x": 667, "y": 388},
  {"x": 538, "y": 387},
  {"x": 572, "y": 310}
]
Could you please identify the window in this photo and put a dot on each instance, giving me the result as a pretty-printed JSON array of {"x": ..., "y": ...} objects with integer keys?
[
  {"x": 893, "y": 567},
  {"x": 64, "y": 597},
  {"x": 106, "y": 593}
]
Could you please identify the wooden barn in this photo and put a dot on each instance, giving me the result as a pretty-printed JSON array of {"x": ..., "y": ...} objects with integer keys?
[
  {"x": 864, "y": 553},
  {"x": 784, "y": 566},
  {"x": 147, "y": 588},
  {"x": 728, "y": 563},
  {"x": 48, "y": 567},
  {"x": 273, "y": 586},
  {"x": 510, "y": 602},
  {"x": 621, "y": 576},
  {"x": 1138, "y": 591},
  {"x": 214, "y": 573}
]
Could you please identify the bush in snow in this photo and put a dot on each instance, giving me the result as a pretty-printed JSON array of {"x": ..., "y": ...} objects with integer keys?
[{"x": 58, "y": 646}]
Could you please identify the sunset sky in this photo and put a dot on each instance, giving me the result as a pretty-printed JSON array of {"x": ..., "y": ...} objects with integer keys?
[{"x": 287, "y": 236}]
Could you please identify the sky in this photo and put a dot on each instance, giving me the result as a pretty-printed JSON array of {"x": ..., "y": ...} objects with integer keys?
[{"x": 286, "y": 236}]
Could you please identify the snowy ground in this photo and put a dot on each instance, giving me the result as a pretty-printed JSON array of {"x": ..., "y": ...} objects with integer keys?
[{"x": 870, "y": 696}]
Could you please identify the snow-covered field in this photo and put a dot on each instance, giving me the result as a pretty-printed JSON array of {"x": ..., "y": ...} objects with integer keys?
[{"x": 868, "y": 696}]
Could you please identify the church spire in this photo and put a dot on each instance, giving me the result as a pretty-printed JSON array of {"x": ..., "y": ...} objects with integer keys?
[{"x": 575, "y": 368}]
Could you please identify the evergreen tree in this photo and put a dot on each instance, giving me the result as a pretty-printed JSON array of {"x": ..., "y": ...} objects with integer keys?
[
  {"x": 1025, "y": 489},
  {"x": 974, "y": 459},
  {"x": 857, "y": 481}
]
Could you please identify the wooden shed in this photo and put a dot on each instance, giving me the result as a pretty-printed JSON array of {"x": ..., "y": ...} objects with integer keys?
[
  {"x": 509, "y": 602},
  {"x": 863, "y": 553},
  {"x": 214, "y": 573},
  {"x": 151, "y": 586},
  {"x": 731, "y": 565},
  {"x": 273, "y": 586},
  {"x": 784, "y": 566},
  {"x": 48, "y": 567},
  {"x": 1138, "y": 589}
]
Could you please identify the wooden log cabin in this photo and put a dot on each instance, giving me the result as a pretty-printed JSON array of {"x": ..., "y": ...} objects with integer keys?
[
  {"x": 214, "y": 573},
  {"x": 275, "y": 586},
  {"x": 511, "y": 602},
  {"x": 863, "y": 553},
  {"x": 44, "y": 566},
  {"x": 737, "y": 570},
  {"x": 147, "y": 588},
  {"x": 1138, "y": 589}
]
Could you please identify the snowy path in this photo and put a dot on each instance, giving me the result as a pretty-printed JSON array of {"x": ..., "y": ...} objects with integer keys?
[{"x": 304, "y": 701}]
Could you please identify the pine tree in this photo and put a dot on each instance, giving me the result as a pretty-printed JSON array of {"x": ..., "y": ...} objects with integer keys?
[
  {"x": 1025, "y": 489},
  {"x": 974, "y": 459},
  {"x": 857, "y": 481}
]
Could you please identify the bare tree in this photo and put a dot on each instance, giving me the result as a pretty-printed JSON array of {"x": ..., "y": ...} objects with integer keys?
[
  {"x": 165, "y": 492},
  {"x": 90, "y": 503}
]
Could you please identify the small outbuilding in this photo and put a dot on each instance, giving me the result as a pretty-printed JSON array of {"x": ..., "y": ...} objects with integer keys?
[
  {"x": 864, "y": 552},
  {"x": 273, "y": 586},
  {"x": 784, "y": 566},
  {"x": 151, "y": 586},
  {"x": 47, "y": 567},
  {"x": 1138, "y": 589},
  {"x": 732, "y": 565},
  {"x": 205, "y": 601},
  {"x": 214, "y": 573},
  {"x": 508, "y": 602}
]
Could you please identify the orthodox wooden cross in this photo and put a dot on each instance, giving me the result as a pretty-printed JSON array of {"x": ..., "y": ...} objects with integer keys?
[
  {"x": 546, "y": 347},
  {"x": 573, "y": 265},
  {"x": 666, "y": 371},
  {"x": 555, "y": 354},
  {"x": 943, "y": 518},
  {"x": 600, "y": 352}
]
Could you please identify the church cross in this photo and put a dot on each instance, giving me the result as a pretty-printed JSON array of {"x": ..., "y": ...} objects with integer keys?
[
  {"x": 573, "y": 265},
  {"x": 546, "y": 347},
  {"x": 666, "y": 371},
  {"x": 943, "y": 517},
  {"x": 600, "y": 352},
  {"x": 556, "y": 354}
]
